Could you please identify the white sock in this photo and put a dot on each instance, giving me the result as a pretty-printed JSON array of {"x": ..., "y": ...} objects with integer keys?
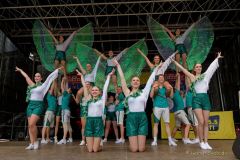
[
  {"x": 155, "y": 139},
  {"x": 169, "y": 138}
]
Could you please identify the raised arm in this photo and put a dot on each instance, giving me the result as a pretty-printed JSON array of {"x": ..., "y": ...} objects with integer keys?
[
  {"x": 80, "y": 65},
  {"x": 105, "y": 88},
  {"x": 45, "y": 86},
  {"x": 165, "y": 64},
  {"x": 125, "y": 89},
  {"x": 85, "y": 90},
  {"x": 63, "y": 84},
  {"x": 212, "y": 68},
  {"x": 154, "y": 90},
  {"x": 68, "y": 40},
  {"x": 146, "y": 59},
  {"x": 178, "y": 81},
  {"x": 185, "y": 71},
  {"x": 169, "y": 32},
  {"x": 184, "y": 35},
  {"x": 52, "y": 88},
  {"x": 121, "y": 54},
  {"x": 94, "y": 72},
  {"x": 100, "y": 54},
  {"x": 27, "y": 78},
  {"x": 150, "y": 81},
  {"x": 53, "y": 37}
]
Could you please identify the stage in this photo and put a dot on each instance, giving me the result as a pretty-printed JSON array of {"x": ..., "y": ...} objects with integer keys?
[{"x": 15, "y": 150}]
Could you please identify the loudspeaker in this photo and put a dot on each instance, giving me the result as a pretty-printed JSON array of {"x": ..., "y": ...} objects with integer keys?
[{"x": 236, "y": 148}]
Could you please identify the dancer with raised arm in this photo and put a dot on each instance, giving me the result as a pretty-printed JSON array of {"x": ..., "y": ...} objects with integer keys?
[
  {"x": 201, "y": 103},
  {"x": 35, "y": 94}
]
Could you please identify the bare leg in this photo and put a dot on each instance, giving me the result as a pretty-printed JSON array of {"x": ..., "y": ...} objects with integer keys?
[
  {"x": 96, "y": 144},
  {"x": 115, "y": 129},
  {"x": 107, "y": 127},
  {"x": 43, "y": 133},
  {"x": 155, "y": 130},
  {"x": 177, "y": 58},
  {"x": 184, "y": 58},
  {"x": 90, "y": 143},
  {"x": 114, "y": 80},
  {"x": 199, "y": 115},
  {"x": 168, "y": 129},
  {"x": 174, "y": 131},
  {"x": 141, "y": 143},
  {"x": 83, "y": 122},
  {"x": 33, "y": 128},
  {"x": 48, "y": 134},
  {"x": 63, "y": 63},
  {"x": 57, "y": 125},
  {"x": 133, "y": 143},
  {"x": 122, "y": 131},
  {"x": 205, "y": 131},
  {"x": 186, "y": 130}
]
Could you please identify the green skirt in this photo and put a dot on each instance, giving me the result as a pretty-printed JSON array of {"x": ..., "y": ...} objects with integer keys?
[
  {"x": 136, "y": 124},
  {"x": 94, "y": 127},
  {"x": 60, "y": 55},
  {"x": 201, "y": 101},
  {"x": 35, "y": 107},
  {"x": 180, "y": 48}
]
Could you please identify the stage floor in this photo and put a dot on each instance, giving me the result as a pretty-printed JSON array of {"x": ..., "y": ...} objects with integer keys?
[{"x": 15, "y": 150}]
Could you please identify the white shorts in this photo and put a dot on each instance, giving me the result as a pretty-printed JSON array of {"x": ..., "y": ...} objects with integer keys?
[
  {"x": 66, "y": 116},
  {"x": 120, "y": 117},
  {"x": 192, "y": 117},
  {"x": 161, "y": 112},
  {"x": 181, "y": 118},
  {"x": 49, "y": 119}
]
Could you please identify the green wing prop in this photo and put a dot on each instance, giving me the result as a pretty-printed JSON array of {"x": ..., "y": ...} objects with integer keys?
[
  {"x": 161, "y": 39},
  {"x": 43, "y": 41},
  {"x": 44, "y": 45},
  {"x": 131, "y": 63},
  {"x": 199, "y": 42}
]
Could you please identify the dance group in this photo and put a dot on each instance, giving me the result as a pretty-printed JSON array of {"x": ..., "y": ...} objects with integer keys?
[{"x": 98, "y": 109}]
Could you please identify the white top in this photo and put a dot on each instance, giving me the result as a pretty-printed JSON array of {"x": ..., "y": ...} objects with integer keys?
[
  {"x": 110, "y": 62},
  {"x": 90, "y": 77},
  {"x": 38, "y": 93},
  {"x": 202, "y": 86},
  {"x": 111, "y": 108},
  {"x": 60, "y": 100},
  {"x": 165, "y": 64},
  {"x": 181, "y": 38},
  {"x": 96, "y": 109},
  {"x": 63, "y": 46},
  {"x": 138, "y": 104}
]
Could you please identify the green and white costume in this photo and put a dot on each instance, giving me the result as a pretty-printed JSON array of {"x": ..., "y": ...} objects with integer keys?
[
  {"x": 35, "y": 105},
  {"x": 191, "y": 115},
  {"x": 120, "y": 108},
  {"x": 111, "y": 114},
  {"x": 201, "y": 98},
  {"x": 110, "y": 65},
  {"x": 94, "y": 123},
  {"x": 59, "y": 106},
  {"x": 50, "y": 113},
  {"x": 91, "y": 77},
  {"x": 65, "y": 107}
]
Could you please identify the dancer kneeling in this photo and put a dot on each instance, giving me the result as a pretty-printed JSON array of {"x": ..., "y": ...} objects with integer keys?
[{"x": 94, "y": 128}]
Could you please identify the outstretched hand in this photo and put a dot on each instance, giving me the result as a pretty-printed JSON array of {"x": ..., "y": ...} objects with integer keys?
[
  {"x": 219, "y": 55},
  {"x": 61, "y": 68},
  {"x": 18, "y": 69},
  {"x": 79, "y": 73},
  {"x": 112, "y": 73}
]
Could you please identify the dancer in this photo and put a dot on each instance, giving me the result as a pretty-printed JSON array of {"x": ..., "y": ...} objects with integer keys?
[
  {"x": 110, "y": 66},
  {"x": 58, "y": 115},
  {"x": 136, "y": 122},
  {"x": 201, "y": 102},
  {"x": 94, "y": 129},
  {"x": 160, "y": 103},
  {"x": 180, "y": 115},
  {"x": 66, "y": 96},
  {"x": 111, "y": 118},
  {"x": 120, "y": 113},
  {"x": 179, "y": 43},
  {"x": 156, "y": 60},
  {"x": 49, "y": 114},
  {"x": 35, "y": 94},
  {"x": 61, "y": 47}
]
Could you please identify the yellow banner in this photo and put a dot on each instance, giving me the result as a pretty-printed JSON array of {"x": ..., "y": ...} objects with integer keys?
[{"x": 221, "y": 126}]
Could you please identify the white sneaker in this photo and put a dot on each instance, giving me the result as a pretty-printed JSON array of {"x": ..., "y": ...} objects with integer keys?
[
  {"x": 202, "y": 145},
  {"x": 30, "y": 147},
  {"x": 101, "y": 143},
  {"x": 208, "y": 146},
  {"x": 104, "y": 140},
  {"x": 196, "y": 140},
  {"x": 55, "y": 140},
  {"x": 154, "y": 143},
  {"x": 172, "y": 143},
  {"x": 70, "y": 140},
  {"x": 43, "y": 141},
  {"x": 36, "y": 145},
  {"x": 174, "y": 140},
  {"x": 63, "y": 141},
  {"x": 187, "y": 141},
  {"x": 82, "y": 143},
  {"x": 120, "y": 141}
]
